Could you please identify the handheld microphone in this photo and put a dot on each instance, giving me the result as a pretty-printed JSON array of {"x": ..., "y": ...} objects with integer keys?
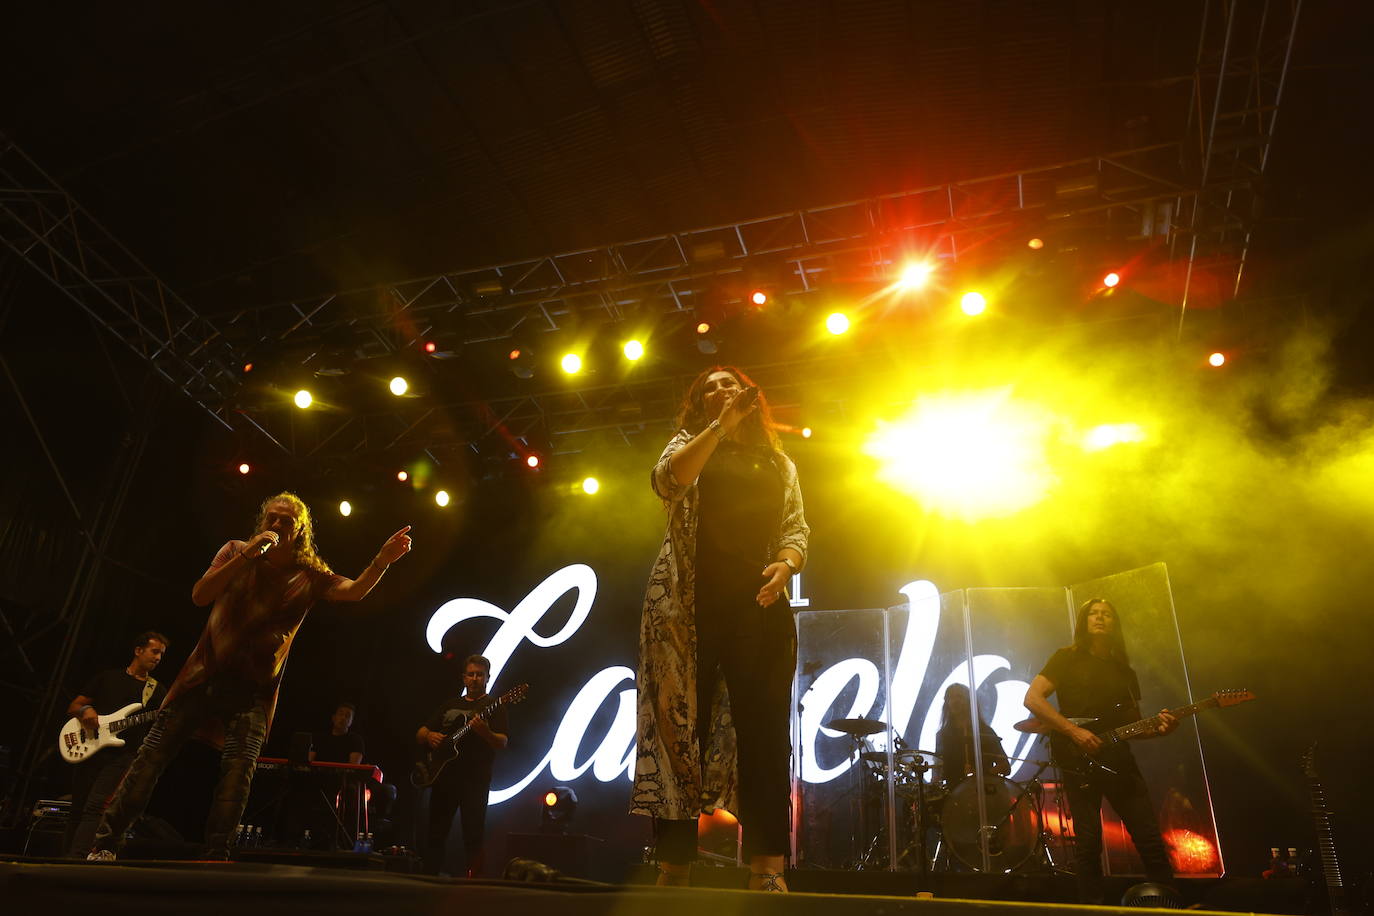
[{"x": 746, "y": 398}]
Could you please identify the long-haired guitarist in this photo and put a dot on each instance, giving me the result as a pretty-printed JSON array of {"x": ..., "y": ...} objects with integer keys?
[
  {"x": 1094, "y": 679},
  {"x": 95, "y": 779},
  {"x": 465, "y": 781}
]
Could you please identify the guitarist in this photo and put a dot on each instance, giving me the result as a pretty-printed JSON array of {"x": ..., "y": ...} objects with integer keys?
[
  {"x": 1094, "y": 679},
  {"x": 465, "y": 782},
  {"x": 95, "y": 779}
]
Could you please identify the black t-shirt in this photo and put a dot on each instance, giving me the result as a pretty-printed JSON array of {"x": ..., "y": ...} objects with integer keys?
[
  {"x": 112, "y": 690},
  {"x": 1090, "y": 686},
  {"x": 741, "y": 498},
  {"x": 332, "y": 748},
  {"x": 475, "y": 756}
]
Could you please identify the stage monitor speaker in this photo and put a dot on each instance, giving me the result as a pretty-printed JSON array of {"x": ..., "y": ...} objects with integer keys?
[{"x": 575, "y": 855}]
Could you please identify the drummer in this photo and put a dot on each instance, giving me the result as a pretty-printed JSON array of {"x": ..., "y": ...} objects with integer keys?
[{"x": 954, "y": 741}]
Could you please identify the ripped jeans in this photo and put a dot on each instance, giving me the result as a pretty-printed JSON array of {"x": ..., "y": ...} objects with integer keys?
[{"x": 245, "y": 728}]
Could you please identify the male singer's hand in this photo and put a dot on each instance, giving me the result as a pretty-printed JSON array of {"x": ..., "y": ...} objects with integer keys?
[
  {"x": 777, "y": 575},
  {"x": 396, "y": 546},
  {"x": 260, "y": 543}
]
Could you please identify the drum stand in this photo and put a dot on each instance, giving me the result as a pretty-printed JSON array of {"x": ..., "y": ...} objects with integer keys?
[{"x": 1037, "y": 785}]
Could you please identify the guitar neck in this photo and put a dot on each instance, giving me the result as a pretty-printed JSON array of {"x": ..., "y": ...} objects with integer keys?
[
  {"x": 1148, "y": 726},
  {"x": 118, "y": 725}
]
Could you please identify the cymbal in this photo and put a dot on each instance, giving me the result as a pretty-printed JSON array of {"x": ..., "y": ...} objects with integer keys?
[
  {"x": 904, "y": 755},
  {"x": 1031, "y": 726},
  {"x": 856, "y": 727}
]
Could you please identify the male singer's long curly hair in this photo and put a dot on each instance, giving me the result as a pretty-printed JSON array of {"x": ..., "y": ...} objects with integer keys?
[
  {"x": 755, "y": 429},
  {"x": 304, "y": 553}
]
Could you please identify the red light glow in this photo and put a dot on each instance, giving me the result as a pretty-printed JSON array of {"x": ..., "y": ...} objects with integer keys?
[
  {"x": 244, "y": 468},
  {"x": 1111, "y": 280},
  {"x": 550, "y": 799},
  {"x": 430, "y": 346},
  {"x": 758, "y": 297},
  {"x": 532, "y": 461}
]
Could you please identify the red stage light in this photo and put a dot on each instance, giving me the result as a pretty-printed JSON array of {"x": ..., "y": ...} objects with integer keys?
[
  {"x": 550, "y": 799},
  {"x": 758, "y": 297},
  {"x": 514, "y": 354},
  {"x": 1036, "y": 244},
  {"x": 244, "y": 468},
  {"x": 704, "y": 327},
  {"x": 1217, "y": 360},
  {"x": 247, "y": 367},
  {"x": 430, "y": 346},
  {"x": 1112, "y": 279},
  {"x": 532, "y": 461},
  {"x": 402, "y": 475}
]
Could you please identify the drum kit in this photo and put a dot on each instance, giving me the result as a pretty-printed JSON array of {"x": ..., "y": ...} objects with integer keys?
[{"x": 949, "y": 824}]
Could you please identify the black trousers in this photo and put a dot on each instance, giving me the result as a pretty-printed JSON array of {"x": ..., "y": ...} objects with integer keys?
[
  {"x": 756, "y": 650},
  {"x": 1131, "y": 798},
  {"x": 93, "y": 784},
  {"x": 457, "y": 791}
]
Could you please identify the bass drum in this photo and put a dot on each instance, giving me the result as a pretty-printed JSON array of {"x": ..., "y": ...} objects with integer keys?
[{"x": 1014, "y": 825}]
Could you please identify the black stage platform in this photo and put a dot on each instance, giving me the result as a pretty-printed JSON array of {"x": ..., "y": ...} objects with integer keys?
[{"x": 152, "y": 888}]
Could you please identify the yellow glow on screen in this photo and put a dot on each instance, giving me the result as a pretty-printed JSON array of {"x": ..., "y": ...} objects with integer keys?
[
  {"x": 969, "y": 455},
  {"x": 1100, "y": 437}
]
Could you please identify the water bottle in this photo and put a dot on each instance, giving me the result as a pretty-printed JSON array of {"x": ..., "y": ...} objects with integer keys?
[
  {"x": 257, "y": 838},
  {"x": 367, "y": 843},
  {"x": 238, "y": 836},
  {"x": 305, "y": 839}
]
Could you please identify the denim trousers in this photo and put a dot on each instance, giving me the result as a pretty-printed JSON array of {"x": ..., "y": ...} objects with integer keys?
[{"x": 245, "y": 727}]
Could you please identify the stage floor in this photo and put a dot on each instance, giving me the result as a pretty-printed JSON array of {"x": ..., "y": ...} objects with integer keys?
[{"x": 152, "y": 888}]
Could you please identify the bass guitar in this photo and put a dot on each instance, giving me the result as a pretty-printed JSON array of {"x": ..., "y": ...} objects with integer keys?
[
  {"x": 1326, "y": 844},
  {"x": 75, "y": 743},
  {"x": 433, "y": 760}
]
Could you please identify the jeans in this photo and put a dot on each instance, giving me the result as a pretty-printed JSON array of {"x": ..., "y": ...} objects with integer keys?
[
  {"x": 93, "y": 782},
  {"x": 454, "y": 791},
  {"x": 245, "y": 728},
  {"x": 1131, "y": 799}
]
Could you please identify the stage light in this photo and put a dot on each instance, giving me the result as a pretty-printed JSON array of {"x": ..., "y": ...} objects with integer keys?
[
  {"x": 806, "y": 432},
  {"x": 556, "y": 812},
  {"x": 704, "y": 327},
  {"x": 441, "y": 498},
  {"x": 634, "y": 350},
  {"x": 1217, "y": 360},
  {"x": 1111, "y": 280},
  {"x": 513, "y": 354},
  {"x": 303, "y": 399},
  {"x": 403, "y": 475},
  {"x": 398, "y": 386},
  {"x": 837, "y": 323},
  {"x": 532, "y": 461},
  {"x": 244, "y": 468},
  {"x": 431, "y": 346},
  {"x": 571, "y": 363},
  {"x": 758, "y": 297},
  {"x": 1100, "y": 437},
  {"x": 345, "y": 508},
  {"x": 973, "y": 303},
  {"x": 590, "y": 485},
  {"x": 915, "y": 276},
  {"x": 247, "y": 367},
  {"x": 969, "y": 456},
  {"x": 1035, "y": 244}
]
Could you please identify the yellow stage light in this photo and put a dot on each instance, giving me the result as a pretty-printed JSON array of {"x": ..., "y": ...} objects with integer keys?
[
  {"x": 704, "y": 327},
  {"x": 837, "y": 323},
  {"x": 973, "y": 303},
  {"x": 806, "y": 432},
  {"x": 403, "y": 475},
  {"x": 1035, "y": 244},
  {"x": 1217, "y": 360},
  {"x": 1100, "y": 437},
  {"x": 758, "y": 297},
  {"x": 571, "y": 363},
  {"x": 345, "y": 508},
  {"x": 915, "y": 276},
  {"x": 590, "y": 485},
  {"x": 244, "y": 468},
  {"x": 634, "y": 350},
  {"x": 967, "y": 456},
  {"x": 532, "y": 461},
  {"x": 441, "y": 498},
  {"x": 303, "y": 399},
  {"x": 399, "y": 386}
]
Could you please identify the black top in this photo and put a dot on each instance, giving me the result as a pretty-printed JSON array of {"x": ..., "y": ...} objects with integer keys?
[
  {"x": 1088, "y": 685},
  {"x": 332, "y": 748},
  {"x": 113, "y": 690},
  {"x": 475, "y": 756},
  {"x": 954, "y": 745},
  {"x": 740, "y": 505}
]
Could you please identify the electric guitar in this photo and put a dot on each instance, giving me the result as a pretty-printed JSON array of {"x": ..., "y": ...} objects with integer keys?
[
  {"x": 75, "y": 744},
  {"x": 1321, "y": 815},
  {"x": 1148, "y": 726},
  {"x": 434, "y": 759}
]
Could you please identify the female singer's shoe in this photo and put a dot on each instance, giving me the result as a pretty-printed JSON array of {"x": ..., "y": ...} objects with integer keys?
[{"x": 100, "y": 855}]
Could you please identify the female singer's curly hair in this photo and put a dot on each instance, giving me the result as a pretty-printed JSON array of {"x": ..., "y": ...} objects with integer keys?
[
  {"x": 755, "y": 429},
  {"x": 304, "y": 553},
  {"x": 1117, "y": 638}
]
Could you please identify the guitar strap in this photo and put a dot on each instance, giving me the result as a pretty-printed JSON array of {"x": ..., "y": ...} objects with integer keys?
[{"x": 149, "y": 688}]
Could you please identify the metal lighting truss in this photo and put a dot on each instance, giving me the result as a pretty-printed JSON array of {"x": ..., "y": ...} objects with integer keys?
[
  {"x": 46, "y": 228},
  {"x": 1244, "y": 51},
  {"x": 666, "y": 275}
]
